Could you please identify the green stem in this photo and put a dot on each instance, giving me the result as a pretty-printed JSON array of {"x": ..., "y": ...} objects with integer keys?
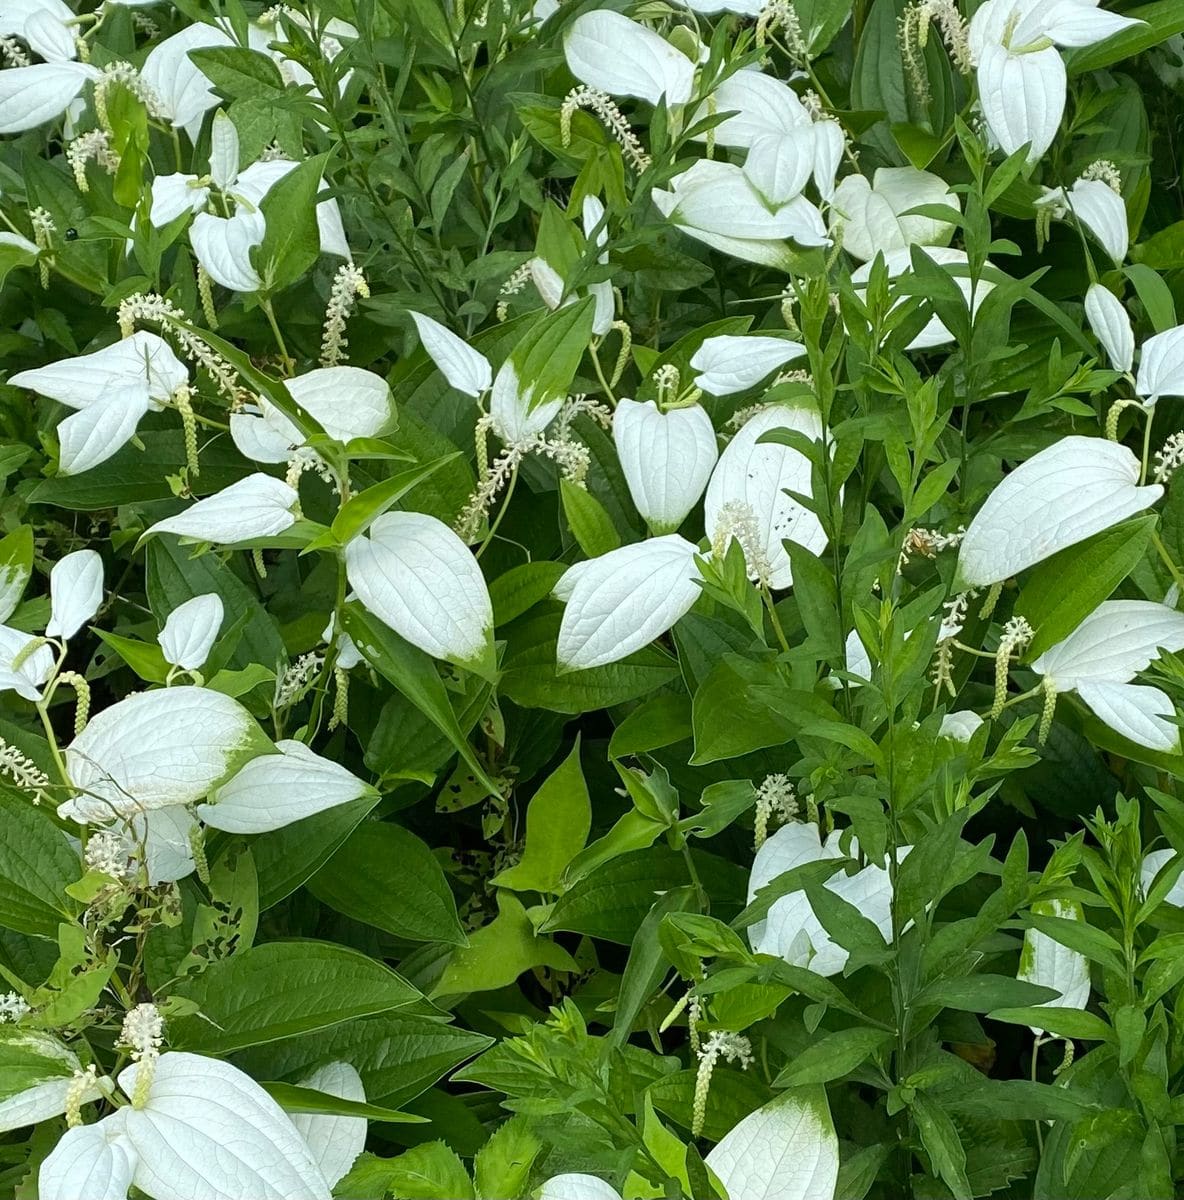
[
  {"x": 501, "y": 512},
  {"x": 269, "y": 312}
]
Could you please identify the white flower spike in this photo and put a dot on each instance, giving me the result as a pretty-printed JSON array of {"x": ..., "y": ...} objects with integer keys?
[
  {"x": 1064, "y": 494},
  {"x": 190, "y": 631},
  {"x": 666, "y": 457},
  {"x": 623, "y": 600}
]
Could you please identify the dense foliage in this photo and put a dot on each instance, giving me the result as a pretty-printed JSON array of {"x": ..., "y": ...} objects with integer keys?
[{"x": 591, "y": 599}]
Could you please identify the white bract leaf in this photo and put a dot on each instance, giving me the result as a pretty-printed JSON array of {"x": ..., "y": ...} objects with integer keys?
[
  {"x": 577, "y": 1186},
  {"x": 34, "y": 669},
  {"x": 1066, "y": 493},
  {"x": 335, "y": 1142},
  {"x": 167, "y": 838},
  {"x": 756, "y": 477},
  {"x": 175, "y": 194},
  {"x": 256, "y": 507},
  {"x": 412, "y": 572},
  {"x": 93, "y": 434},
  {"x": 190, "y": 631},
  {"x": 254, "y": 182},
  {"x": 50, "y": 37},
  {"x": 745, "y": 8},
  {"x": 1111, "y": 326},
  {"x": 347, "y": 402},
  {"x": 144, "y": 361},
  {"x": 466, "y": 369},
  {"x": 760, "y": 106},
  {"x": 157, "y": 748},
  {"x": 273, "y": 790},
  {"x": 872, "y": 215},
  {"x": 961, "y": 725},
  {"x": 1113, "y": 644},
  {"x": 511, "y": 415},
  {"x": 1153, "y": 863},
  {"x": 76, "y": 591},
  {"x": 625, "y": 599},
  {"x": 42, "y": 1073},
  {"x": 547, "y": 281},
  {"x": 30, "y": 96},
  {"x": 728, "y": 364},
  {"x": 791, "y": 846},
  {"x": 183, "y": 91},
  {"x": 208, "y": 1130},
  {"x": 1141, "y": 714},
  {"x": 223, "y": 151},
  {"x": 90, "y": 1162},
  {"x": 666, "y": 458},
  {"x": 786, "y": 1150},
  {"x": 1098, "y": 207},
  {"x": 1161, "y": 365},
  {"x": 779, "y": 165},
  {"x": 1044, "y": 961},
  {"x": 899, "y": 263},
  {"x": 613, "y": 54},
  {"x": 223, "y": 246}
]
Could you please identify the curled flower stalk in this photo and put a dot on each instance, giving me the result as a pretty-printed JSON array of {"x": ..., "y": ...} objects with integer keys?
[{"x": 602, "y": 105}]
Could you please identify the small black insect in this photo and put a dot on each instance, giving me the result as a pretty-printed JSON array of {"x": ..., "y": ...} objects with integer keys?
[{"x": 71, "y": 234}]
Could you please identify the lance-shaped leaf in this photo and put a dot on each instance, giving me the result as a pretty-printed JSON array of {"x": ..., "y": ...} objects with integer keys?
[
  {"x": 30, "y": 96},
  {"x": 1161, "y": 365},
  {"x": 1098, "y": 208},
  {"x": 466, "y": 369},
  {"x": 190, "y": 631},
  {"x": 335, "y": 1141},
  {"x": 1048, "y": 963},
  {"x": 1111, "y": 326},
  {"x": 155, "y": 749},
  {"x": 750, "y": 485},
  {"x": 623, "y": 600},
  {"x": 1113, "y": 644},
  {"x": 75, "y": 591},
  {"x": 411, "y": 571},
  {"x": 273, "y": 790},
  {"x": 728, "y": 364},
  {"x": 577, "y": 1186},
  {"x": 666, "y": 457},
  {"x": 613, "y": 54},
  {"x": 256, "y": 507},
  {"x": 786, "y": 1150},
  {"x": 97, "y": 1162},
  {"x": 207, "y": 1129},
  {"x": 875, "y": 217},
  {"x": 1064, "y": 494}
]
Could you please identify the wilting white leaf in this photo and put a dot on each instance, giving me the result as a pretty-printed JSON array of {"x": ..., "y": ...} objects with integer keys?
[
  {"x": 666, "y": 458},
  {"x": 758, "y": 476},
  {"x": 1153, "y": 863},
  {"x": 75, "y": 591},
  {"x": 613, "y": 54},
  {"x": 1098, "y": 207},
  {"x": 625, "y": 599},
  {"x": 466, "y": 369},
  {"x": 1113, "y": 644},
  {"x": 223, "y": 246},
  {"x": 728, "y": 364},
  {"x": 273, "y": 790},
  {"x": 1066, "y": 493},
  {"x": 335, "y": 1142},
  {"x": 256, "y": 507},
  {"x": 1141, "y": 714},
  {"x": 90, "y": 1162},
  {"x": 34, "y": 669},
  {"x": 153, "y": 749},
  {"x": 411, "y": 571},
  {"x": 872, "y": 214},
  {"x": 190, "y": 631},
  {"x": 144, "y": 360},
  {"x": 786, "y": 1150},
  {"x": 183, "y": 90},
  {"x": 208, "y": 1130},
  {"x": 577, "y": 1186},
  {"x": 961, "y": 725},
  {"x": 255, "y": 181},
  {"x": 1111, "y": 326},
  {"x": 30, "y": 96},
  {"x": 223, "y": 151},
  {"x": 1161, "y": 365},
  {"x": 1047, "y": 963}
]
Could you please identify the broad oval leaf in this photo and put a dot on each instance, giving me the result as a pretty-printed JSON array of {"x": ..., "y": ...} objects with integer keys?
[{"x": 609, "y": 52}]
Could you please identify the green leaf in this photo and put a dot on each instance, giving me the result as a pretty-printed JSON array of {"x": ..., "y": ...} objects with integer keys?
[
  {"x": 295, "y": 1099},
  {"x": 588, "y": 521},
  {"x": 37, "y": 863},
  {"x": 832, "y": 1057},
  {"x": 414, "y": 674},
  {"x": 499, "y": 952},
  {"x": 355, "y": 516},
  {"x": 558, "y": 820},
  {"x": 1064, "y": 1022},
  {"x": 16, "y": 568},
  {"x": 385, "y": 876},
  {"x": 541, "y": 367},
  {"x": 238, "y": 73},
  {"x": 984, "y": 993},
  {"x": 940, "y": 1139},
  {"x": 291, "y": 241},
  {"x": 13, "y": 255},
  {"x": 145, "y": 658},
  {"x": 1067, "y": 587},
  {"x": 431, "y": 1171},
  {"x": 282, "y": 989},
  {"x": 502, "y": 1166},
  {"x": 1162, "y": 20}
]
